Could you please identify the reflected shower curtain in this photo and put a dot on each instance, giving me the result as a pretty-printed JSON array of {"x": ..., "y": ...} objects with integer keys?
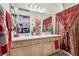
[{"x": 64, "y": 25}]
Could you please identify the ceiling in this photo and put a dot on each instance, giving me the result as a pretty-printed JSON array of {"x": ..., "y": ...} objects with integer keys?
[
  {"x": 51, "y": 8},
  {"x": 67, "y": 5}
]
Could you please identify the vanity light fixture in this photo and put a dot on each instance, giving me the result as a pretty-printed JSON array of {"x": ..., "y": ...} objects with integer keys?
[
  {"x": 43, "y": 8},
  {"x": 36, "y": 6}
]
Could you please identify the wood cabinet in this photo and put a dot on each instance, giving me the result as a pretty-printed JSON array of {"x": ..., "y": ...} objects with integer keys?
[
  {"x": 36, "y": 50},
  {"x": 36, "y": 47},
  {"x": 23, "y": 51},
  {"x": 47, "y": 49}
]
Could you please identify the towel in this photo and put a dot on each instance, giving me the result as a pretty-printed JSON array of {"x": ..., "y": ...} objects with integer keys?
[
  {"x": 1, "y": 24},
  {"x": 9, "y": 26},
  {"x": 3, "y": 43},
  {"x": 56, "y": 44}
]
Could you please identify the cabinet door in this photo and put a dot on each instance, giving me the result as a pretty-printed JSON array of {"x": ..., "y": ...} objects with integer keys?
[
  {"x": 23, "y": 51},
  {"x": 47, "y": 49},
  {"x": 36, "y": 50}
]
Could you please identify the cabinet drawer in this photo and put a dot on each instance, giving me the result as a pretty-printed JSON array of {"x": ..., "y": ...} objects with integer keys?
[
  {"x": 46, "y": 40},
  {"x": 55, "y": 38},
  {"x": 38, "y": 41},
  {"x": 22, "y": 43},
  {"x": 23, "y": 51}
]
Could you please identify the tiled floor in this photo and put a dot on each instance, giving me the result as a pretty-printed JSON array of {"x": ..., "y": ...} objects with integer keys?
[{"x": 59, "y": 54}]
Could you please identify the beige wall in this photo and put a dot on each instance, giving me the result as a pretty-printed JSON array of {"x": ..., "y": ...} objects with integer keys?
[{"x": 5, "y": 6}]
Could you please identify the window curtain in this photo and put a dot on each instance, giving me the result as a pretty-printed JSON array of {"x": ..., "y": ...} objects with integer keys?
[{"x": 64, "y": 21}]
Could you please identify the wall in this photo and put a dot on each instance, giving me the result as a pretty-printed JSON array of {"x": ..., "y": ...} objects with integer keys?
[
  {"x": 54, "y": 22},
  {"x": 5, "y": 6}
]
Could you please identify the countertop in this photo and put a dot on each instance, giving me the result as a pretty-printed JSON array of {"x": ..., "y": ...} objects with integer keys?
[{"x": 33, "y": 37}]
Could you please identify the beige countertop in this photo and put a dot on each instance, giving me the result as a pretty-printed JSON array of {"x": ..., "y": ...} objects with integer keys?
[{"x": 33, "y": 37}]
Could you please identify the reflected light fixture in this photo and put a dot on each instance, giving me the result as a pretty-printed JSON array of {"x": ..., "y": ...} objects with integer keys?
[{"x": 36, "y": 6}]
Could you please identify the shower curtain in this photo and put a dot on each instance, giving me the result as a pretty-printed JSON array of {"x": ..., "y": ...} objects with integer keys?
[{"x": 66, "y": 26}]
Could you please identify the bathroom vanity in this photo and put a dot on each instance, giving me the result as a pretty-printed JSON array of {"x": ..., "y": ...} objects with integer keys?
[
  {"x": 31, "y": 25},
  {"x": 35, "y": 45}
]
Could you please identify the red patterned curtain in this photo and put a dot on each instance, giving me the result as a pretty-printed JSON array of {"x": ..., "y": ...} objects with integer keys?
[{"x": 64, "y": 21}]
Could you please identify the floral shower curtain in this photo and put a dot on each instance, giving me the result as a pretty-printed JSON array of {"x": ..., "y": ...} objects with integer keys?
[{"x": 64, "y": 22}]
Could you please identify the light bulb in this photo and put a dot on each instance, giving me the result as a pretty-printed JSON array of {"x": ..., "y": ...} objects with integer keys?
[
  {"x": 39, "y": 8},
  {"x": 35, "y": 6},
  {"x": 43, "y": 8}
]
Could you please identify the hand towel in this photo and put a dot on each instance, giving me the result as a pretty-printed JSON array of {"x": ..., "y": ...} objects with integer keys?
[
  {"x": 9, "y": 26},
  {"x": 3, "y": 44}
]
